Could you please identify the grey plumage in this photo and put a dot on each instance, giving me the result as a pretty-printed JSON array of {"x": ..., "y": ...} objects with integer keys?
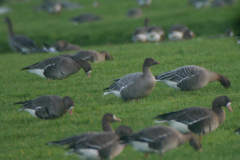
[
  {"x": 48, "y": 106},
  {"x": 87, "y": 17},
  {"x": 191, "y": 77},
  {"x": 134, "y": 13},
  {"x": 61, "y": 46},
  {"x": 135, "y": 85},
  {"x": 180, "y": 32},
  {"x": 59, "y": 67},
  {"x": 140, "y": 34},
  {"x": 200, "y": 120},
  {"x": 160, "y": 139}
]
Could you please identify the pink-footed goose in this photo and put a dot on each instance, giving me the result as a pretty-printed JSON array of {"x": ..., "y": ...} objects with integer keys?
[
  {"x": 199, "y": 120},
  {"x": 180, "y": 32},
  {"x": 87, "y": 17},
  {"x": 48, "y": 106},
  {"x": 140, "y": 34},
  {"x": 59, "y": 67},
  {"x": 191, "y": 77},
  {"x": 160, "y": 139},
  {"x": 143, "y": 3},
  {"x": 99, "y": 145},
  {"x": 136, "y": 85},
  {"x": 92, "y": 56},
  {"x": 134, "y": 13},
  {"x": 20, "y": 43},
  {"x": 61, "y": 46},
  {"x": 155, "y": 34}
]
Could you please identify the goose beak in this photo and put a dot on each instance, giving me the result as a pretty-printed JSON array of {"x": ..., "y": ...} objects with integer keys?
[
  {"x": 200, "y": 150},
  {"x": 229, "y": 106},
  {"x": 116, "y": 119},
  {"x": 71, "y": 109},
  {"x": 88, "y": 73},
  {"x": 157, "y": 63}
]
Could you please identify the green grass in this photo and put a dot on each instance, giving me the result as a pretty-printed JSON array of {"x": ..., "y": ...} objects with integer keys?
[{"x": 23, "y": 137}]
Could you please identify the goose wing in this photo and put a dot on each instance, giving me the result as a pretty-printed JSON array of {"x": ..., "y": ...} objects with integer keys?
[
  {"x": 187, "y": 116},
  {"x": 23, "y": 41}
]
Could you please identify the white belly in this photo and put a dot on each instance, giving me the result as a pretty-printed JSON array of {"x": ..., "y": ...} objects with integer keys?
[
  {"x": 37, "y": 71},
  {"x": 142, "y": 147}
]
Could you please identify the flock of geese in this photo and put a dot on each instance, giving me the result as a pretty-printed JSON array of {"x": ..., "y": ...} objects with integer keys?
[{"x": 184, "y": 124}]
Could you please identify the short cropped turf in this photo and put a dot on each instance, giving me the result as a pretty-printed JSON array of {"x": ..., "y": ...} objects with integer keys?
[{"x": 24, "y": 137}]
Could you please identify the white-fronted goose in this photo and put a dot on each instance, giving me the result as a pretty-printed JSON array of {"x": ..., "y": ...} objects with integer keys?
[
  {"x": 48, "y": 107},
  {"x": 20, "y": 43},
  {"x": 143, "y": 3},
  {"x": 180, "y": 32},
  {"x": 155, "y": 34},
  {"x": 61, "y": 46},
  {"x": 199, "y": 120},
  {"x": 87, "y": 17},
  {"x": 135, "y": 85},
  {"x": 134, "y": 13},
  {"x": 102, "y": 145},
  {"x": 106, "y": 120},
  {"x": 191, "y": 77},
  {"x": 160, "y": 139},
  {"x": 140, "y": 34},
  {"x": 237, "y": 131},
  {"x": 59, "y": 67},
  {"x": 92, "y": 56}
]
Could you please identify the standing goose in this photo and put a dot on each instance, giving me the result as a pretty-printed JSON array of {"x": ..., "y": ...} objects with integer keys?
[
  {"x": 160, "y": 139},
  {"x": 180, "y": 32},
  {"x": 103, "y": 145},
  {"x": 48, "y": 107},
  {"x": 140, "y": 34},
  {"x": 61, "y": 46},
  {"x": 155, "y": 34},
  {"x": 199, "y": 120},
  {"x": 20, "y": 43},
  {"x": 191, "y": 77},
  {"x": 106, "y": 120},
  {"x": 92, "y": 56},
  {"x": 59, "y": 67},
  {"x": 135, "y": 85}
]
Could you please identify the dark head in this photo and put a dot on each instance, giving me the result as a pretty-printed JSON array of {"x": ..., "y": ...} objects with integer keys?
[
  {"x": 69, "y": 103},
  {"x": 124, "y": 131},
  {"x": 148, "y": 62},
  {"x": 188, "y": 34},
  {"x": 224, "y": 81},
  {"x": 109, "y": 117},
  {"x": 107, "y": 56},
  {"x": 222, "y": 101},
  {"x": 61, "y": 45},
  {"x": 194, "y": 142},
  {"x": 86, "y": 66},
  {"x": 6, "y": 19}
]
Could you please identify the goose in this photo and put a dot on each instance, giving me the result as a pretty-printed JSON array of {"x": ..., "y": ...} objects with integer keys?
[
  {"x": 92, "y": 56},
  {"x": 106, "y": 120},
  {"x": 20, "y": 43},
  {"x": 140, "y": 34},
  {"x": 200, "y": 3},
  {"x": 237, "y": 131},
  {"x": 61, "y": 46},
  {"x": 155, "y": 34},
  {"x": 199, "y": 120},
  {"x": 160, "y": 139},
  {"x": 191, "y": 77},
  {"x": 87, "y": 17},
  {"x": 135, "y": 85},
  {"x": 143, "y": 3},
  {"x": 134, "y": 13},
  {"x": 59, "y": 67},
  {"x": 99, "y": 145},
  {"x": 180, "y": 32},
  {"x": 48, "y": 106}
]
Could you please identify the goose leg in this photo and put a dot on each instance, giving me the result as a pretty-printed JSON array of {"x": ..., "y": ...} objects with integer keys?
[{"x": 146, "y": 155}]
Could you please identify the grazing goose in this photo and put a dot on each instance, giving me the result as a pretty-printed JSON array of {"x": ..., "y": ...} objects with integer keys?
[
  {"x": 59, "y": 67},
  {"x": 191, "y": 77},
  {"x": 155, "y": 34},
  {"x": 238, "y": 131},
  {"x": 140, "y": 34},
  {"x": 48, "y": 107},
  {"x": 134, "y": 13},
  {"x": 61, "y": 46},
  {"x": 92, "y": 56},
  {"x": 180, "y": 32},
  {"x": 199, "y": 120},
  {"x": 160, "y": 139},
  {"x": 135, "y": 85},
  {"x": 103, "y": 145},
  {"x": 143, "y": 3},
  {"x": 106, "y": 120},
  {"x": 20, "y": 43},
  {"x": 88, "y": 17}
]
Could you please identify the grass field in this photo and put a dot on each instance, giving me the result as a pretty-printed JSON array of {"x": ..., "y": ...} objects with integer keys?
[{"x": 23, "y": 137}]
